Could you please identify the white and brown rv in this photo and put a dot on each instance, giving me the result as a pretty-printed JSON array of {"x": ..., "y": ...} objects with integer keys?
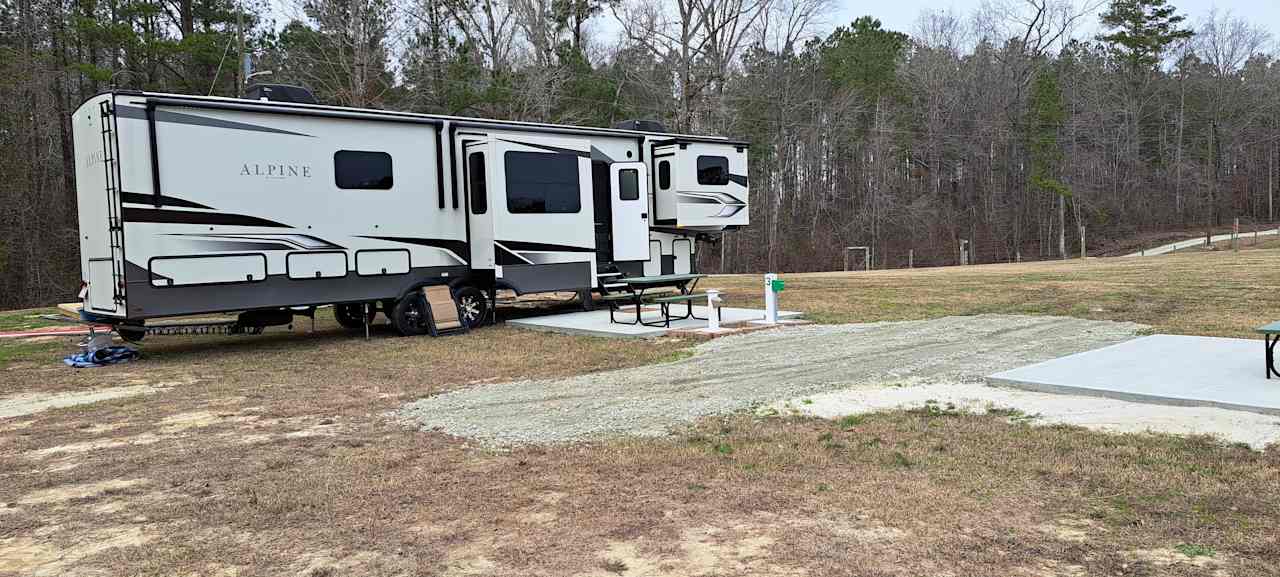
[{"x": 191, "y": 204}]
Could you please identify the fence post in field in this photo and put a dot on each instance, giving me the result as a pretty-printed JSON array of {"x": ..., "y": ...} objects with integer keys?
[
  {"x": 1235, "y": 235},
  {"x": 911, "y": 258}
]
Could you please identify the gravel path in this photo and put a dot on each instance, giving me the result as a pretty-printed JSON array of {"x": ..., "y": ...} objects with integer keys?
[{"x": 738, "y": 372}]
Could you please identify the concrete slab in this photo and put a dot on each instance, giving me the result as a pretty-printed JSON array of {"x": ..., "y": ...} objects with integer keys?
[
  {"x": 1169, "y": 369},
  {"x": 596, "y": 323}
]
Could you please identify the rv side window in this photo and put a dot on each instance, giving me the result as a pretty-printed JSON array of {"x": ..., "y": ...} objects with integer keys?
[
  {"x": 629, "y": 184},
  {"x": 539, "y": 183},
  {"x": 713, "y": 170},
  {"x": 664, "y": 175},
  {"x": 362, "y": 170},
  {"x": 476, "y": 182}
]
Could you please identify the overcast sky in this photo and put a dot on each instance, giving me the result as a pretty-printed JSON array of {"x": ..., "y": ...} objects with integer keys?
[{"x": 901, "y": 14}]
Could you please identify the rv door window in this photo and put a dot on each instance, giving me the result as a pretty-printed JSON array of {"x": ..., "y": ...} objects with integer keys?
[
  {"x": 476, "y": 182},
  {"x": 713, "y": 170},
  {"x": 664, "y": 175},
  {"x": 362, "y": 170},
  {"x": 542, "y": 183},
  {"x": 629, "y": 184}
]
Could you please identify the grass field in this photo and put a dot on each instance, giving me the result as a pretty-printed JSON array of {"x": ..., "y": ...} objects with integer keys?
[
  {"x": 1211, "y": 293},
  {"x": 274, "y": 455}
]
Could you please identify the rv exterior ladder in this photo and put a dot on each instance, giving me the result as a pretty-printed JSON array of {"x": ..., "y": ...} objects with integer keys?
[{"x": 115, "y": 227}]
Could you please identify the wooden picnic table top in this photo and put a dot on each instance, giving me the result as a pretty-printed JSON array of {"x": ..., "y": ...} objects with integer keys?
[
  {"x": 1269, "y": 329},
  {"x": 666, "y": 279}
]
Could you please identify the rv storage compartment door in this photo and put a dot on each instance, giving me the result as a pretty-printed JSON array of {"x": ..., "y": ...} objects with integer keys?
[
  {"x": 630, "y": 204},
  {"x": 304, "y": 265},
  {"x": 102, "y": 296},
  {"x": 215, "y": 269},
  {"x": 379, "y": 262}
]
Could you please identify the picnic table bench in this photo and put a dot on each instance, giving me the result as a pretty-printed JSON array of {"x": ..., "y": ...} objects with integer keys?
[
  {"x": 635, "y": 295},
  {"x": 1271, "y": 334}
]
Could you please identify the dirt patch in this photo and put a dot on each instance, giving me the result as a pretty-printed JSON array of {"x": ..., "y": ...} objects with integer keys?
[
  {"x": 736, "y": 372},
  {"x": 1163, "y": 558},
  {"x": 69, "y": 492},
  {"x": 94, "y": 445},
  {"x": 50, "y": 557},
  {"x": 1034, "y": 408},
  {"x": 1072, "y": 529},
  {"x": 29, "y": 403},
  {"x": 701, "y": 550}
]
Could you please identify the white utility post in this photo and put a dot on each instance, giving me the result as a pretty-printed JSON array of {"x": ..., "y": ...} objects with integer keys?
[
  {"x": 713, "y": 309},
  {"x": 770, "y": 300}
]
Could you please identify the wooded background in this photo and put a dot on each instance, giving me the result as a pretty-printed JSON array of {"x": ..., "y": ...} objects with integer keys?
[{"x": 1009, "y": 127}]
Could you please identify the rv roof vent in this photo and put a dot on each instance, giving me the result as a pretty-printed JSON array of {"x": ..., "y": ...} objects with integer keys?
[
  {"x": 641, "y": 125},
  {"x": 280, "y": 93}
]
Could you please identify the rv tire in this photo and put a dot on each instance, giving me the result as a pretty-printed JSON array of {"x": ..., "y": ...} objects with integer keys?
[
  {"x": 473, "y": 306},
  {"x": 131, "y": 334},
  {"x": 353, "y": 315},
  {"x": 409, "y": 315}
]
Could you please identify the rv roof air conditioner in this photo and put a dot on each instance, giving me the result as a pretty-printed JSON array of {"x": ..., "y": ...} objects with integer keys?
[
  {"x": 280, "y": 93},
  {"x": 641, "y": 125}
]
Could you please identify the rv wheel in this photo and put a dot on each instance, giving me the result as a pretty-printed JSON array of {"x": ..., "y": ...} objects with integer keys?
[
  {"x": 353, "y": 315},
  {"x": 409, "y": 315},
  {"x": 131, "y": 334},
  {"x": 473, "y": 307}
]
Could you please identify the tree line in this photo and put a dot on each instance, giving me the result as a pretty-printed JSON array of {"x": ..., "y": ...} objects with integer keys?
[{"x": 1007, "y": 131}]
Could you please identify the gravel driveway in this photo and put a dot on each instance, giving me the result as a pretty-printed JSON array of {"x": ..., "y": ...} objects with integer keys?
[{"x": 739, "y": 372}]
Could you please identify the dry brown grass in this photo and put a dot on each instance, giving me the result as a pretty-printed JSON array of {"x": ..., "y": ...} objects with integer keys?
[
  {"x": 272, "y": 455},
  {"x": 1217, "y": 293}
]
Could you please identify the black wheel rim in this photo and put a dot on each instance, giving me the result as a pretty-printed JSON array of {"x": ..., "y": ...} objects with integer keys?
[{"x": 414, "y": 314}]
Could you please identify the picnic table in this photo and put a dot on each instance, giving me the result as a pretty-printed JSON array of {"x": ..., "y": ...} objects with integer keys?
[
  {"x": 1271, "y": 333},
  {"x": 638, "y": 286}
]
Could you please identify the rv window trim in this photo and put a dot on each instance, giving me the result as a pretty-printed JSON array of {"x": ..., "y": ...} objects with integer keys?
[
  {"x": 480, "y": 202},
  {"x": 664, "y": 174},
  {"x": 391, "y": 170},
  {"x": 635, "y": 189},
  {"x": 713, "y": 157},
  {"x": 506, "y": 159}
]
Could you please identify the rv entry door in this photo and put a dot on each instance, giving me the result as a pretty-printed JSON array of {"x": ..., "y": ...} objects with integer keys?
[
  {"x": 630, "y": 207},
  {"x": 475, "y": 173}
]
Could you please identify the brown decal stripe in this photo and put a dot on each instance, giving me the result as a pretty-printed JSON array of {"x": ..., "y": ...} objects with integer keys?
[{"x": 158, "y": 215}]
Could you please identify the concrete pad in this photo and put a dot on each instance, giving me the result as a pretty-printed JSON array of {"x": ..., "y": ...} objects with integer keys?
[
  {"x": 596, "y": 323},
  {"x": 1167, "y": 369}
]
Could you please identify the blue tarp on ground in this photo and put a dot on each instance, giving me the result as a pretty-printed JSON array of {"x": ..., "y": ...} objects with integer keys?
[{"x": 101, "y": 357}]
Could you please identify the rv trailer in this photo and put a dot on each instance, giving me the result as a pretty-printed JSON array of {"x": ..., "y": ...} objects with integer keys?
[{"x": 192, "y": 204}]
